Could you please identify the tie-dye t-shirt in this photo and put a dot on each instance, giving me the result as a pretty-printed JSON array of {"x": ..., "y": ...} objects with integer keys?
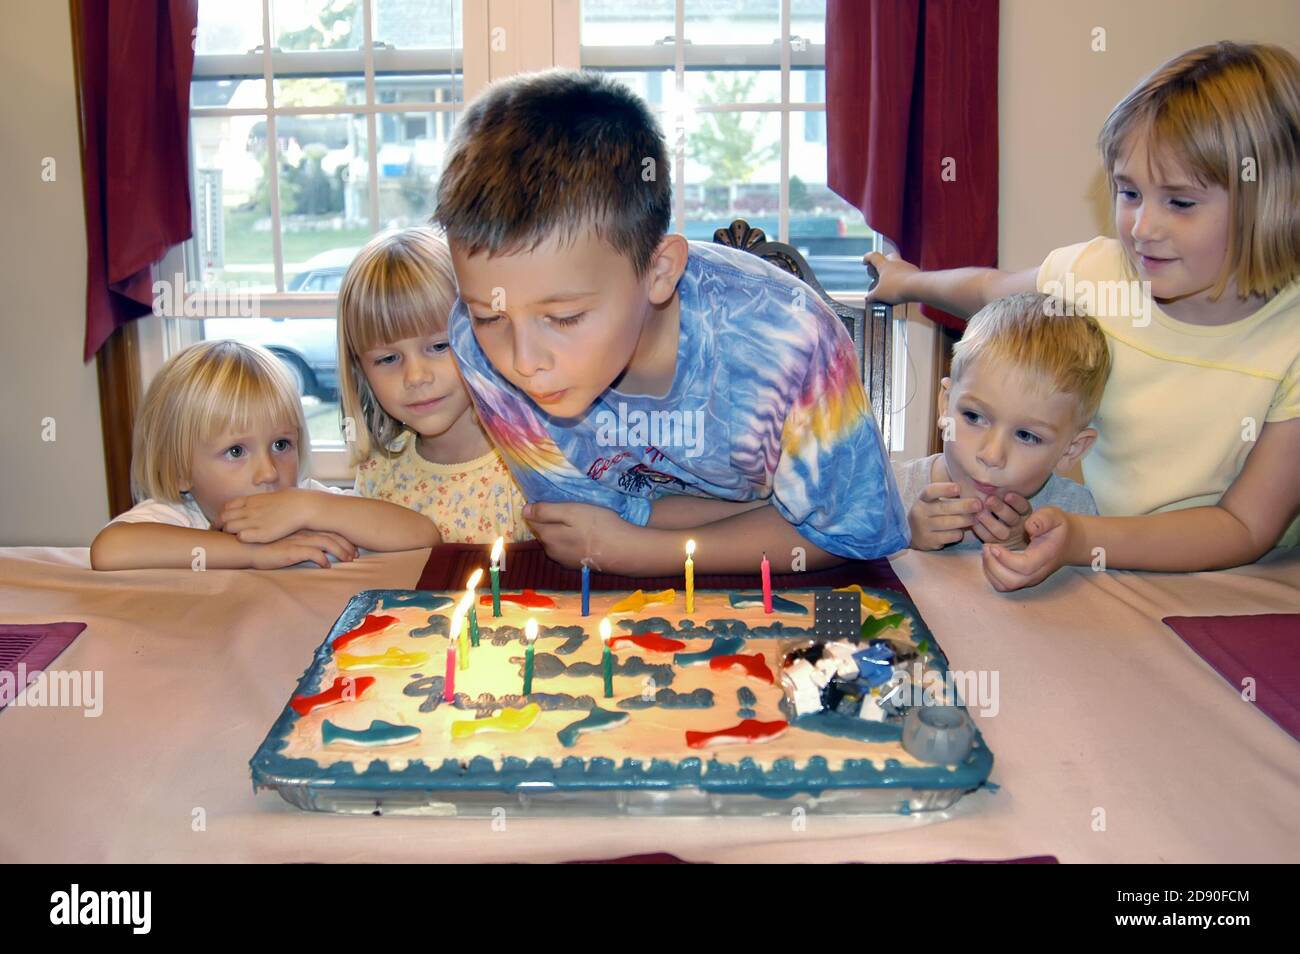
[{"x": 767, "y": 402}]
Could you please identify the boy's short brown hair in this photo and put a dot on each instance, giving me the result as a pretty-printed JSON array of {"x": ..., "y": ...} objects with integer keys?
[
  {"x": 1067, "y": 352},
  {"x": 556, "y": 152}
]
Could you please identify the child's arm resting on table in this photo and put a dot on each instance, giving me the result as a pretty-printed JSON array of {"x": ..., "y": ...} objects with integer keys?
[
  {"x": 141, "y": 546},
  {"x": 373, "y": 524},
  {"x": 679, "y": 511},
  {"x": 1245, "y": 524},
  {"x": 572, "y": 532},
  {"x": 958, "y": 291}
]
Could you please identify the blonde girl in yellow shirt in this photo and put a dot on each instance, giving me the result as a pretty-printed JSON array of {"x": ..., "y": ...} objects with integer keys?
[
  {"x": 409, "y": 421},
  {"x": 1198, "y": 450}
]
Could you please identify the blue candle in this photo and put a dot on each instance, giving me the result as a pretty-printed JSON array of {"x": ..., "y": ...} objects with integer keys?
[{"x": 586, "y": 590}]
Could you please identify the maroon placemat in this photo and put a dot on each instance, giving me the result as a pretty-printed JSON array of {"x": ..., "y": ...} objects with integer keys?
[
  {"x": 26, "y": 649},
  {"x": 528, "y": 567},
  {"x": 1264, "y": 647},
  {"x": 664, "y": 858}
]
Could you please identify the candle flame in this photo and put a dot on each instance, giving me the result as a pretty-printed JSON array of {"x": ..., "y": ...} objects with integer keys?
[
  {"x": 690, "y": 548},
  {"x": 530, "y": 630},
  {"x": 457, "y": 621},
  {"x": 474, "y": 579},
  {"x": 497, "y": 549},
  {"x": 605, "y": 630}
]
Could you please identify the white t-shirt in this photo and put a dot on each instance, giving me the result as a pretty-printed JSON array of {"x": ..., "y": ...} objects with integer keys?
[
  {"x": 186, "y": 513},
  {"x": 1184, "y": 402}
]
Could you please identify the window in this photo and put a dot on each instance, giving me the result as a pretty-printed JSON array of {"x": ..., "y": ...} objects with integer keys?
[
  {"x": 314, "y": 124},
  {"x": 317, "y": 123},
  {"x": 739, "y": 87}
]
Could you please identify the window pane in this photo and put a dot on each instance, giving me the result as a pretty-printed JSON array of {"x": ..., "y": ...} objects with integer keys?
[
  {"x": 412, "y": 147},
  {"x": 744, "y": 22},
  {"x": 705, "y": 87},
  {"x": 419, "y": 88},
  {"x": 229, "y": 93},
  {"x": 627, "y": 22},
  {"x": 829, "y": 232},
  {"x": 228, "y": 26},
  {"x": 808, "y": 20},
  {"x": 733, "y": 171},
  {"x": 316, "y": 24},
  {"x": 232, "y": 204},
  {"x": 808, "y": 86},
  {"x": 316, "y": 91},
  {"x": 308, "y": 349},
  {"x": 324, "y": 195}
]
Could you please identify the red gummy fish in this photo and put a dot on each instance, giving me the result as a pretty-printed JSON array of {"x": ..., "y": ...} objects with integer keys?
[
  {"x": 334, "y": 694},
  {"x": 752, "y": 665},
  {"x": 650, "y": 641},
  {"x": 529, "y": 598},
  {"x": 371, "y": 624},
  {"x": 750, "y": 730}
]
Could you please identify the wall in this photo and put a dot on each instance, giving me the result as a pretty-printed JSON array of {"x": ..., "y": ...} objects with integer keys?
[{"x": 54, "y": 492}]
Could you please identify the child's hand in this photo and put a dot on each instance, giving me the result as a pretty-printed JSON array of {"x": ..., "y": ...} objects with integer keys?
[
  {"x": 262, "y": 518},
  {"x": 572, "y": 532},
  {"x": 1049, "y": 540},
  {"x": 939, "y": 517},
  {"x": 1003, "y": 520},
  {"x": 304, "y": 546},
  {"x": 894, "y": 272}
]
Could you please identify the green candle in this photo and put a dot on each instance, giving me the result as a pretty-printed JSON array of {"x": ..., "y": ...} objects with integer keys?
[
  {"x": 607, "y": 659},
  {"x": 471, "y": 594},
  {"x": 530, "y": 634},
  {"x": 498, "y": 549}
]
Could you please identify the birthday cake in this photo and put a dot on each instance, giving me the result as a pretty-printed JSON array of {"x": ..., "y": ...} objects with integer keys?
[{"x": 833, "y": 698}]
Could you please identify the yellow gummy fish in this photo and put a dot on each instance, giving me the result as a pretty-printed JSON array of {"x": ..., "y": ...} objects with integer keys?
[
  {"x": 874, "y": 605},
  {"x": 393, "y": 659},
  {"x": 639, "y": 600},
  {"x": 507, "y": 720}
]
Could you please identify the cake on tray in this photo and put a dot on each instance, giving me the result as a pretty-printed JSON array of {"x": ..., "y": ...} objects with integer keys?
[{"x": 833, "y": 699}]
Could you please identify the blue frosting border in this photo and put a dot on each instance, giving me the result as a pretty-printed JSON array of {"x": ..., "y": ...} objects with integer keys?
[{"x": 270, "y": 769}]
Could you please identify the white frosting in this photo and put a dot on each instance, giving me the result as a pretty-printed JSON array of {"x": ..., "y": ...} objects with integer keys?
[{"x": 651, "y": 733}]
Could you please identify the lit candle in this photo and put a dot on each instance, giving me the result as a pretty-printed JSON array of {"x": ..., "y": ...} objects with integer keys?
[
  {"x": 530, "y": 635},
  {"x": 470, "y": 588},
  {"x": 607, "y": 659},
  {"x": 690, "y": 577},
  {"x": 586, "y": 589},
  {"x": 767, "y": 584},
  {"x": 462, "y": 647},
  {"x": 498, "y": 551},
  {"x": 449, "y": 680}
]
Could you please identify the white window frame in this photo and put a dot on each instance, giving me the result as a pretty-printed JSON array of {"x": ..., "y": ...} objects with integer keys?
[{"x": 530, "y": 46}]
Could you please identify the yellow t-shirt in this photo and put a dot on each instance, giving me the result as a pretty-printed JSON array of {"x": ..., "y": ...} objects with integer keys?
[
  {"x": 1177, "y": 417},
  {"x": 473, "y": 502}
]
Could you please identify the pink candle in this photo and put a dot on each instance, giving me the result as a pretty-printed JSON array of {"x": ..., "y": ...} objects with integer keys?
[
  {"x": 449, "y": 680},
  {"x": 767, "y": 584}
]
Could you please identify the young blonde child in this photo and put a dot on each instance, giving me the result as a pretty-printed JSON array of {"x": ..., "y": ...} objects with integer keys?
[
  {"x": 1198, "y": 449},
  {"x": 217, "y": 459},
  {"x": 1015, "y": 416},
  {"x": 413, "y": 431}
]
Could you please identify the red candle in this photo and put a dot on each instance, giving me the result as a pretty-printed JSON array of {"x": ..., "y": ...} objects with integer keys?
[{"x": 766, "y": 569}]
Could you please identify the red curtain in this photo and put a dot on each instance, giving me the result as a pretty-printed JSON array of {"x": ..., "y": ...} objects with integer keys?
[
  {"x": 912, "y": 125},
  {"x": 134, "y": 63}
]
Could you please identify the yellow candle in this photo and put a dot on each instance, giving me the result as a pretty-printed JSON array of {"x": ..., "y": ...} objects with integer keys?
[
  {"x": 690, "y": 577},
  {"x": 462, "y": 646}
]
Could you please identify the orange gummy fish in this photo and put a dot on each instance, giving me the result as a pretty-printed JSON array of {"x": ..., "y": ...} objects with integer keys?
[
  {"x": 752, "y": 665},
  {"x": 345, "y": 689},
  {"x": 651, "y": 641},
  {"x": 750, "y": 730},
  {"x": 369, "y": 625}
]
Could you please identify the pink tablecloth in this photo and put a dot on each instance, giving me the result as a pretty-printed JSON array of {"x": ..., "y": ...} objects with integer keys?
[{"x": 1113, "y": 739}]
